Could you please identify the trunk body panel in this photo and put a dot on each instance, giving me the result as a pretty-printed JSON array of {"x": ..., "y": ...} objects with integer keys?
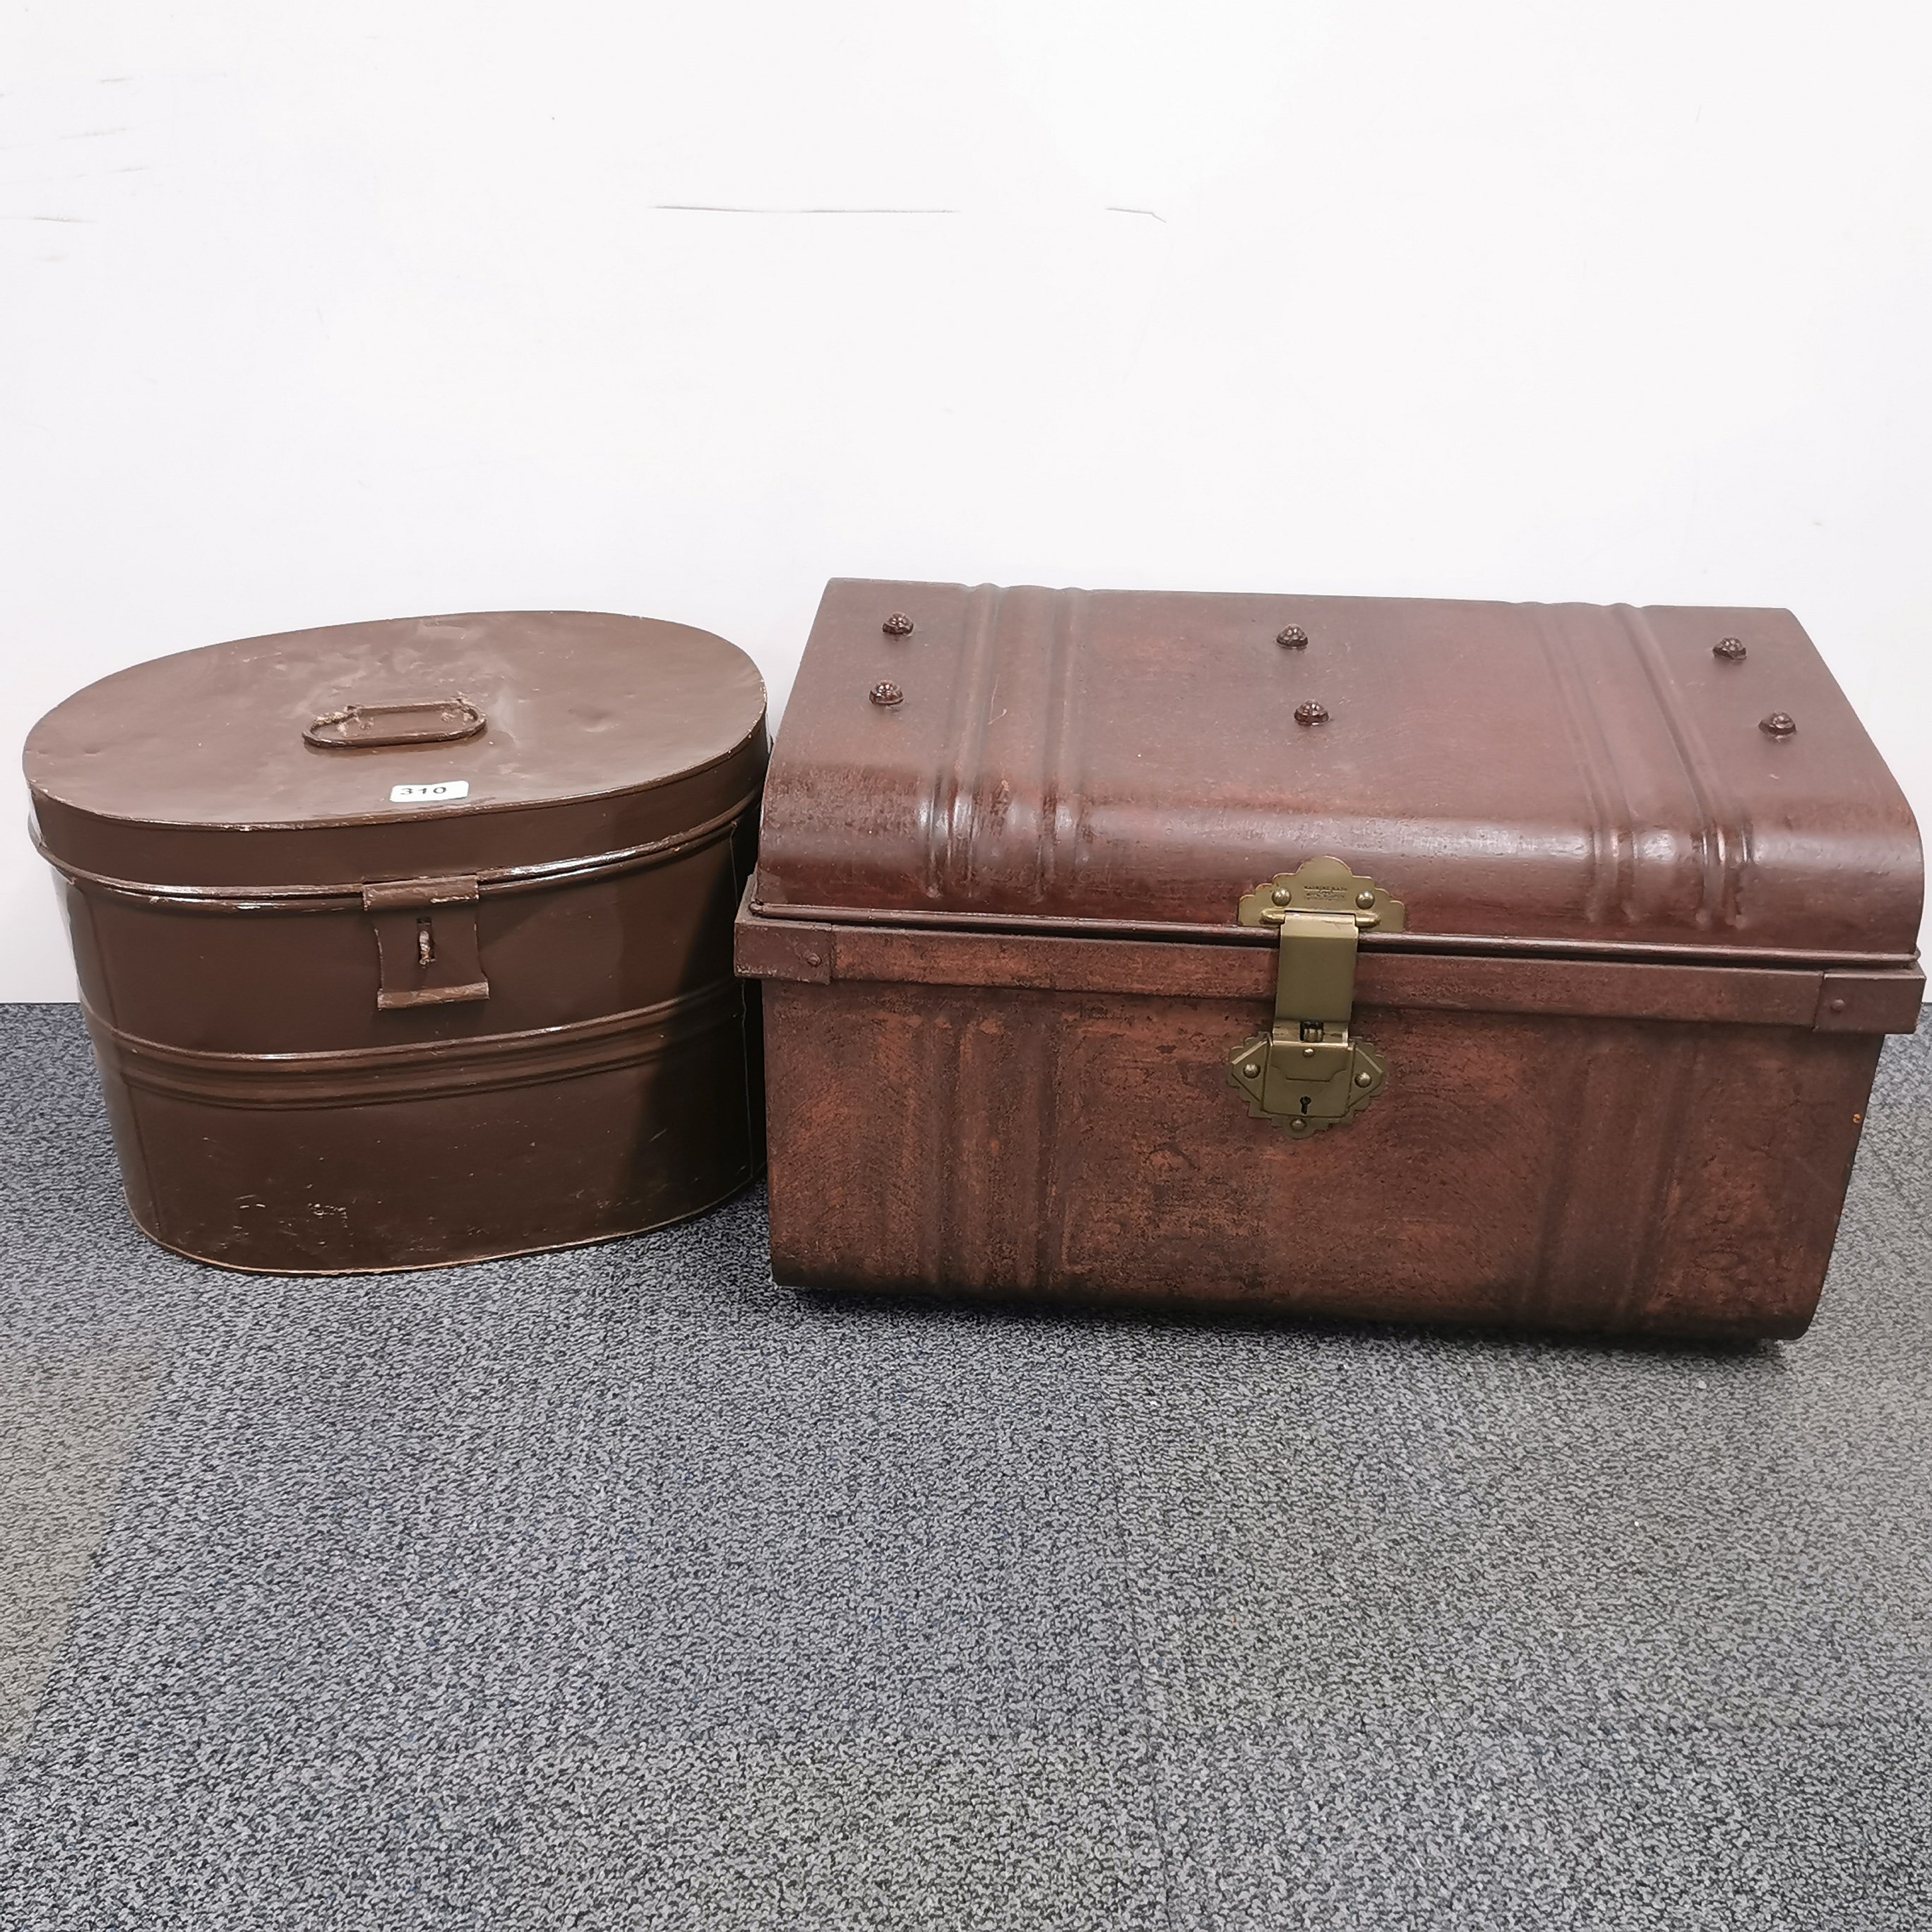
[{"x": 1602, "y": 1174}]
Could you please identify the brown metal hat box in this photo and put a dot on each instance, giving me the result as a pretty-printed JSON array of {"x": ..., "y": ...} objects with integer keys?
[
  {"x": 1476, "y": 962},
  {"x": 409, "y": 943}
]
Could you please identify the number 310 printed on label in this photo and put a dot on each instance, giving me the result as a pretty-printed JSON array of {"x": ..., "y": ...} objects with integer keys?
[{"x": 429, "y": 794}]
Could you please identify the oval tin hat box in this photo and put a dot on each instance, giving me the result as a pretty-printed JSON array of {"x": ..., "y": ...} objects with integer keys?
[{"x": 409, "y": 943}]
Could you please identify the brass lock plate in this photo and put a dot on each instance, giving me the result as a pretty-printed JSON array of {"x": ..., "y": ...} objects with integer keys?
[
  {"x": 1303, "y": 1095},
  {"x": 1306, "y": 1072}
]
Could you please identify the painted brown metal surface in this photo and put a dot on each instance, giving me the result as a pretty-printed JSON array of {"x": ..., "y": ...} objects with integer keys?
[
  {"x": 342, "y": 1031},
  {"x": 1838, "y": 1000},
  {"x": 1671, "y": 1177},
  {"x": 1560, "y": 774},
  {"x": 1631, "y": 1028}
]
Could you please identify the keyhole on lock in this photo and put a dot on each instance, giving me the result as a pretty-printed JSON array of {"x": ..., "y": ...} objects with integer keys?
[
  {"x": 1307, "y": 1103},
  {"x": 425, "y": 945}
]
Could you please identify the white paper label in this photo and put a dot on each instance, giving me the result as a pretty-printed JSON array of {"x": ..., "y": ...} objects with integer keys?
[{"x": 429, "y": 794}]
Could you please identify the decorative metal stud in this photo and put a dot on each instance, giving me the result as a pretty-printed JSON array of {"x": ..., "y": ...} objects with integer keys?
[
  {"x": 1779, "y": 725},
  {"x": 1731, "y": 649},
  {"x": 898, "y": 625},
  {"x": 886, "y": 693},
  {"x": 1311, "y": 714},
  {"x": 1293, "y": 636}
]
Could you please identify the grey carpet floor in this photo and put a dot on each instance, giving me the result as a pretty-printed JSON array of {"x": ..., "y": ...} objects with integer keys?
[{"x": 621, "y": 1589}]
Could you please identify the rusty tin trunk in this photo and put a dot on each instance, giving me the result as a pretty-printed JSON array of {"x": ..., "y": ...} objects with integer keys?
[
  {"x": 1392, "y": 958},
  {"x": 409, "y": 943}
]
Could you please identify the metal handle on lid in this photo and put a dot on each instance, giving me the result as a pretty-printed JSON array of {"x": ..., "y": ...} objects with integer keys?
[{"x": 370, "y": 726}]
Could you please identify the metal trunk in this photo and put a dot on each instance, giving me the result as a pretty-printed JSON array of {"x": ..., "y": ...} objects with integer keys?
[{"x": 1397, "y": 959}]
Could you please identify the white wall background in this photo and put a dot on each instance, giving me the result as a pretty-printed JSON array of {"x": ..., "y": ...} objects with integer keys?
[{"x": 313, "y": 313}]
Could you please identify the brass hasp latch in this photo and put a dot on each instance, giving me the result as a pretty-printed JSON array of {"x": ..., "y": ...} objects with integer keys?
[{"x": 1306, "y": 1073}]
